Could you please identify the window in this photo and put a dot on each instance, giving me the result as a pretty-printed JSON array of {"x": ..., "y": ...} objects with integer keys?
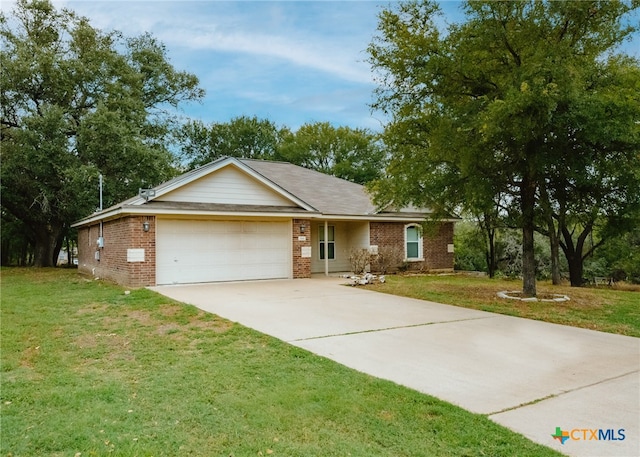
[
  {"x": 331, "y": 242},
  {"x": 413, "y": 243}
]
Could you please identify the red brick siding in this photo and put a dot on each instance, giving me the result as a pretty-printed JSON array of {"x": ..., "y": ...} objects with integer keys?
[
  {"x": 434, "y": 244},
  {"x": 301, "y": 265},
  {"x": 119, "y": 235}
]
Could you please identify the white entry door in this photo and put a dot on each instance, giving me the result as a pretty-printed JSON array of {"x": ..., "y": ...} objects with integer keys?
[{"x": 191, "y": 251}]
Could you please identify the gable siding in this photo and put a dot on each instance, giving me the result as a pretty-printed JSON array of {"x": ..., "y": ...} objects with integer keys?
[{"x": 227, "y": 185}]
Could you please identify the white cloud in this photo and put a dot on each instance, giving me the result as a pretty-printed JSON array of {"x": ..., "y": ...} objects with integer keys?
[
  {"x": 291, "y": 49},
  {"x": 276, "y": 30}
]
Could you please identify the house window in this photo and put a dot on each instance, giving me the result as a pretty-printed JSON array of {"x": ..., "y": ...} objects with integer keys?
[
  {"x": 331, "y": 242},
  {"x": 412, "y": 242}
]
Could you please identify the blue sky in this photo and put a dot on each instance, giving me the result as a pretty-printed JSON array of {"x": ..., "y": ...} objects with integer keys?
[{"x": 291, "y": 62}]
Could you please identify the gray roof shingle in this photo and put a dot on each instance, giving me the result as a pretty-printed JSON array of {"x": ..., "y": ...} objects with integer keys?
[{"x": 327, "y": 194}]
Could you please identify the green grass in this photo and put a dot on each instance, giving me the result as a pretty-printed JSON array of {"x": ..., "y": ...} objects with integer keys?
[
  {"x": 604, "y": 309},
  {"x": 89, "y": 371}
]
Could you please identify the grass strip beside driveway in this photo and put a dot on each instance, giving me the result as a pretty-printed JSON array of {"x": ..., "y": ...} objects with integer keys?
[
  {"x": 604, "y": 309},
  {"x": 89, "y": 371}
]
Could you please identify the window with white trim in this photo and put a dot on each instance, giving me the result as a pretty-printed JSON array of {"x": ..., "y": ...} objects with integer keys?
[
  {"x": 412, "y": 242},
  {"x": 331, "y": 242}
]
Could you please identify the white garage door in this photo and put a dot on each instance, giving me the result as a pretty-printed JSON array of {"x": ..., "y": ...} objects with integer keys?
[{"x": 205, "y": 251}]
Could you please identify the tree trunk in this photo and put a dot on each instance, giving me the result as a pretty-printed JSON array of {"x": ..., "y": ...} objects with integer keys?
[
  {"x": 4, "y": 254},
  {"x": 491, "y": 261},
  {"x": 57, "y": 248},
  {"x": 527, "y": 203},
  {"x": 553, "y": 234},
  {"x": 69, "y": 253},
  {"x": 46, "y": 242},
  {"x": 576, "y": 271},
  {"x": 574, "y": 253},
  {"x": 487, "y": 225},
  {"x": 555, "y": 254}
]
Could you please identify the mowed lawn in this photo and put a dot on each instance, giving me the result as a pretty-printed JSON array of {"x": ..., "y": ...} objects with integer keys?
[
  {"x": 88, "y": 370},
  {"x": 607, "y": 309}
]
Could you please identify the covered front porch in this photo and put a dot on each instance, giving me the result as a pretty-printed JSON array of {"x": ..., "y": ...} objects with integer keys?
[{"x": 332, "y": 241}]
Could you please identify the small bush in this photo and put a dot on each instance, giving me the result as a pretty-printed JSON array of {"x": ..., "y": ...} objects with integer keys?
[{"x": 358, "y": 260}]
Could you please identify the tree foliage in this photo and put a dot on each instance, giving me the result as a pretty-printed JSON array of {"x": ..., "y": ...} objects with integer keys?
[
  {"x": 509, "y": 107},
  {"x": 352, "y": 154},
  {"x": 78, "y": 102},
  {"x": 245, "y": 137}
]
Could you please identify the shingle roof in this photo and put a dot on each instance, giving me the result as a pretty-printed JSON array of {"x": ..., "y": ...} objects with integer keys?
[
  {"x": 325, "y": 193},
  {"x": 313, "y": 192}
]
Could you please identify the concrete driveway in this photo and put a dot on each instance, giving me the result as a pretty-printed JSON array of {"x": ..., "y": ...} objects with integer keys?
[{"x": 529, "y": 376}]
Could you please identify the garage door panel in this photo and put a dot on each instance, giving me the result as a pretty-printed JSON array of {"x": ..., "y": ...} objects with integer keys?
[{"x": 206, "y": 251}]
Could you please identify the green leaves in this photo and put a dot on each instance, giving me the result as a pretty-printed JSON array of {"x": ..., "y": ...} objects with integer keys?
[
  {"x": 351, "y": 154},
  {"x": 246, "y": 137},
  {"x": 522, "y": 94},
  {"x": 77, "y": 102}
]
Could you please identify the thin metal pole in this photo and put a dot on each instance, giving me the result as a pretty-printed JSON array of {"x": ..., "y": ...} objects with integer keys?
[{"x": 100, "y": 186}]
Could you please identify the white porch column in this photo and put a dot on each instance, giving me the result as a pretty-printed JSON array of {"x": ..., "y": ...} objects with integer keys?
[{"x": 326, "y": 248}]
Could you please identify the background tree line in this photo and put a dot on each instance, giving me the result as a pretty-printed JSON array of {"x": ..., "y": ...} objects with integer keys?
[
  {"x": 616, "y": 258},
  {"x": 356, "y": 155}
]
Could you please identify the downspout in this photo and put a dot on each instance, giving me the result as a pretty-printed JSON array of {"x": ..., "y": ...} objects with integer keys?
[{"x": 326, "y": 248}]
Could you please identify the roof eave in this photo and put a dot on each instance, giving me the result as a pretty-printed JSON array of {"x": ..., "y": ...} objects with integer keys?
[{"x": 133, "y": 210}]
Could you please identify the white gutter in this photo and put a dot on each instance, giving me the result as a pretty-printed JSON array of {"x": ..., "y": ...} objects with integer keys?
[{"x": 142, "y": 210}]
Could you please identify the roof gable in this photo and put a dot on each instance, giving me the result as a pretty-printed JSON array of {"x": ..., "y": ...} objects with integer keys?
[
  {"x": 227, "y": 185},
  {"x": 230, "y": 185}
]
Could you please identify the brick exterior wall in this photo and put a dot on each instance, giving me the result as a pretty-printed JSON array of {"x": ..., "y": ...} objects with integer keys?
[
  {"x": 127, "y": 233},
  {"x": 119, "y": 235},
  {"x": 435, "y": 245},
  {"x": 389, "y": 237},
  {"x": 301, "y": 265}
]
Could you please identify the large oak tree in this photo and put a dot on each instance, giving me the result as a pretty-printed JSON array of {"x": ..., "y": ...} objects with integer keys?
[
  {"x": 78, "y": 102},
  {"x": 502, "y": 109}
]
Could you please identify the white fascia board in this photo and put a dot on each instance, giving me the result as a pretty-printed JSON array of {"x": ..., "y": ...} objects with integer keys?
[
  {"x": 146, "y": 211},
  {"x": 374, "y": 218},
  {"x": 132, "y": 209},
  {"x": 99, "y": 217},
  {"x": 199, "y": 213}
]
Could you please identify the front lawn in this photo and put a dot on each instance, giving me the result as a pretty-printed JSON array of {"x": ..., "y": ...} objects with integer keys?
[
  {"x": 605, "y": 309},
  {"x": 90, "y": 371}
]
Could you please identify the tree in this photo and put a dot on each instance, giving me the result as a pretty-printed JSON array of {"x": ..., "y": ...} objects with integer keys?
[
  {"x": 474, "y": 108},
  {"x": 245, "y": 137},
  {"x": 76, "y": 103},
  {"x": 599, "y": 189},
  {"x": 351, "y": 154}
]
